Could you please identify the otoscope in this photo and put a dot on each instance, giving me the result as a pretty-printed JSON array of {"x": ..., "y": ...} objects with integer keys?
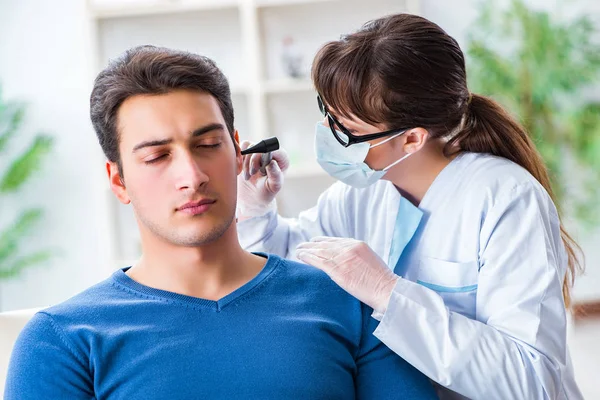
[{"x": 265, "y": 147}]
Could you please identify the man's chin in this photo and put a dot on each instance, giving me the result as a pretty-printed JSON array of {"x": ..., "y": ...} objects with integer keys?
[
  {"x": 191, "y": 232},
  {"x": 199, "y": 235}
]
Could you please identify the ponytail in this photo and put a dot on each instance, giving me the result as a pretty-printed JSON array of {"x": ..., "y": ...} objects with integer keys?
[{"x": 488, "y": 128}]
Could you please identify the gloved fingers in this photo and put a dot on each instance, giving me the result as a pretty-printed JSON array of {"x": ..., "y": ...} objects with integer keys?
[
  {"x": 333, "y": 239},
  {"x": 254, "y": 165},
  {"x": 282, "y": 158},
  {"x": 354, "y": 266},
  {"x": 310, "y": 246},
  {"x": 313, "y": 259},
  {"x": 323, "y": 253},
  {"x": 252, "y": 161},
  {"x": 245, "y": 144},
  {"x": 274, "y": 177},
  {"x": 340, "y": 244}
]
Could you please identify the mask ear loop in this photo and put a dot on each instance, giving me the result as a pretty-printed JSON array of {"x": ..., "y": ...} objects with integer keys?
[
  {"x": 388, "y": 139},
  {"x": 396, "y": 162}
]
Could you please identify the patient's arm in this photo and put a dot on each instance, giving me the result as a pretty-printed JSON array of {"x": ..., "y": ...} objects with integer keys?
[
  {"x": 382, "y": 374},
  {"x": 44, "y": 365}
]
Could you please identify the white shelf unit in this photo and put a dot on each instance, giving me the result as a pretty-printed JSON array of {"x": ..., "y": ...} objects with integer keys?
[{"x": 245, "y": 38}]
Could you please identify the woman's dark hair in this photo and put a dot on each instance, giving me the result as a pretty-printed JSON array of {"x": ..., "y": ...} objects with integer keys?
[
  {"x": 405, "y": 71},
  {"x": 150, "y": 70}
]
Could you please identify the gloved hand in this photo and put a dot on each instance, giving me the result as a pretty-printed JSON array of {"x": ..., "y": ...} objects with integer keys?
[
  {"x": 256, "y": 192},
  {"x": 353, "y": 266}
]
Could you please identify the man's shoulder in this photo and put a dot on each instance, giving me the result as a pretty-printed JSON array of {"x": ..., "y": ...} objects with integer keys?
[
  {"x": 85, "y": 305},
  {"x": 61, "y": 335},
  {"x": 308, "y": 281},
  {"x": 300, "y": 272}
]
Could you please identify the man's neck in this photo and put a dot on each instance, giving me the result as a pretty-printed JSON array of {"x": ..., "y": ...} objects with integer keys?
[{"x": 210, "y": 271}]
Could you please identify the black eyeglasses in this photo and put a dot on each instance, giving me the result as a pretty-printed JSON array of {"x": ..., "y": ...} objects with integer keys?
[{"x": 343, "y": 135}]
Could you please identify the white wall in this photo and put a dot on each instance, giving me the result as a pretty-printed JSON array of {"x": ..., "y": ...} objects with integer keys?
[{"x": 44, "y": 61}]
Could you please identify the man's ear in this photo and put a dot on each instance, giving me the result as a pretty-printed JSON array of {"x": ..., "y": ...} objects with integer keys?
[
  {"x": 238, "y": 152},
  {"x": 415, "y": 139},
  {"x": 117, "y": 184}
]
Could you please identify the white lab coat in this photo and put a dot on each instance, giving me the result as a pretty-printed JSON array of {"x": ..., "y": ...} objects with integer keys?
[{"x": 479, "y": 307}]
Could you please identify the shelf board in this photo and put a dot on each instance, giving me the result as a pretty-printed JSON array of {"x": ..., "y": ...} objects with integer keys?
[
  {"x": 157, "y": 7},
  {"x": 288, "y": 86},
  {"x": 586, "y": 310},
  {"x": 283, "y": 3}
]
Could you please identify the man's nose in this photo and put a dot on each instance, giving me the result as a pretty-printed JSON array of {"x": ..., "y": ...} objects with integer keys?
[{"x": 190, "y": 174}]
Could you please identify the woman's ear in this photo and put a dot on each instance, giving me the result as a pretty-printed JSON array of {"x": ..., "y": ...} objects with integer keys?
[{"x": 415, "y": 139}]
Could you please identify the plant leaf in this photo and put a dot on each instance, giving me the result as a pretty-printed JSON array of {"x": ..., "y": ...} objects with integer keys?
[
  {"x": 536, "y": 65},
  {"x": 29, "y": 162},
  {"x": 16, "y": 267},
  {"x": 9, "y": 239},
  {"x": 11, "y": 116},
  {"x": 585, "y": 134}
]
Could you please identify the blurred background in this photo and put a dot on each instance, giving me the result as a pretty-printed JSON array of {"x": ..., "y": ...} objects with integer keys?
[{"x": 61, "y": 230}]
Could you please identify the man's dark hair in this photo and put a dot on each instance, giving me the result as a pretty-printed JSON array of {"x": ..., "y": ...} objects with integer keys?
[{"x": 150, "y": 70}]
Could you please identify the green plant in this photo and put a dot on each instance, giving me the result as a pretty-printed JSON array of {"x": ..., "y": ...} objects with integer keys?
[
  {"x": 540, "y": 67},
  {"x": 17, "y": 173}
]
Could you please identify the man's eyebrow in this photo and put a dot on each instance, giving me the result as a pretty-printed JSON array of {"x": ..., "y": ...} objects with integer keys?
[
  {"x": 195, "y": 133},
  {"x": 208, "y": 128},
  {"x": 151, "y": 143}
]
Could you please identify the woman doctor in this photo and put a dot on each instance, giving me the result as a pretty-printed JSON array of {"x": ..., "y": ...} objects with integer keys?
[{"x": 442, "y": 222}]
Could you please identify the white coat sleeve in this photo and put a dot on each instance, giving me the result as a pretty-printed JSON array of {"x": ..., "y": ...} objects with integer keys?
[
  {"x": 516, "y": 347},
  {"x": 274, "y": 234}
]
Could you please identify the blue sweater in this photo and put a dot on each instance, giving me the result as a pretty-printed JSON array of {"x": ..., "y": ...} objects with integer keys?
[{"x": 289, "y": 333}]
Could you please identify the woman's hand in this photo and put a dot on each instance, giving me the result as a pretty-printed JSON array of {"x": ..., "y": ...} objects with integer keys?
[
  {"x": 256, "y": 192},
  {"x": 353, "y": 266}
]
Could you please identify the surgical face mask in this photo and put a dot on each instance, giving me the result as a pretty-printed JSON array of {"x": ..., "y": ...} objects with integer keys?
[{"x": 347, "y": 164}]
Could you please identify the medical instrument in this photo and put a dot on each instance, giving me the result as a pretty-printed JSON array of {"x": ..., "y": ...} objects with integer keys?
[{"x": 265, "y": 147}]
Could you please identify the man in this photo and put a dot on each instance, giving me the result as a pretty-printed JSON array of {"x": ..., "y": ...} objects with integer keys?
[{"x": 197, "y": 317}]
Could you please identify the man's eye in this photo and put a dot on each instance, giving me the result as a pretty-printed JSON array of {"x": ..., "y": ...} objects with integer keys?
[
  {"x": 209, "y": 146},
  {"x": 156, "y": 159}
]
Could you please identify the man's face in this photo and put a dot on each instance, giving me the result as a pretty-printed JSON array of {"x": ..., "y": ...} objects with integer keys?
[{"x": 179, "y": 166}]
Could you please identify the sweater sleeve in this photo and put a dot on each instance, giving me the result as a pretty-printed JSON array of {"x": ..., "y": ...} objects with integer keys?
[
  {"x": 382, "y": 374},
  {"x": 44, "y": 365}
]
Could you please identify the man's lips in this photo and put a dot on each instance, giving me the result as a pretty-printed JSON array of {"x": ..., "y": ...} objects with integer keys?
[{"x": 196, "y": 207}]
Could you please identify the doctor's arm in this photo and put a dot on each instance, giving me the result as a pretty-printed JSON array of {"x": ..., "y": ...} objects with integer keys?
[
  {"x": 274, "y": 234},
  {"x": 516, "y": 347},
  {"x": 43, "y": 365}
]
